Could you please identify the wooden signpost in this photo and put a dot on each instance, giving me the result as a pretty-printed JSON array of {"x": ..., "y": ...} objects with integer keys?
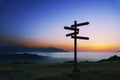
[{"x": 75, "y": 37}]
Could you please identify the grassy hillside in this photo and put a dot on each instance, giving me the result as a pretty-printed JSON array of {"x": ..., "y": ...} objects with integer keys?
[{"x": 61, "y": 71}]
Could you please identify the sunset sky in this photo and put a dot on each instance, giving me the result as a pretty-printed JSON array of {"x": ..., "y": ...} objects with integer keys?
[{"x": 40, "y": 23}]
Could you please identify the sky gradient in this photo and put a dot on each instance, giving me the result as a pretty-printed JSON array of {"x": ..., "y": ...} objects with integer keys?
[{"x": 41, "y": 23}]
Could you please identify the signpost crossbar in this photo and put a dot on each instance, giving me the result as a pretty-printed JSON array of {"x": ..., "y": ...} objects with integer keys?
[
  {"x": 80, "y": 24},
  {"x": 72, "y": 34},
  {"x": 80, "y": 37},
  {"x": 70, "y": 28}
]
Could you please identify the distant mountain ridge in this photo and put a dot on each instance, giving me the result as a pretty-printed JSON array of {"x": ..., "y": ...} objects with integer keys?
[
  {"x": 112, "y": 58},
  {"x": 23, "y": 58},
  {"x": 20, "y": 56},
  {"x": 20, "y": 48}
]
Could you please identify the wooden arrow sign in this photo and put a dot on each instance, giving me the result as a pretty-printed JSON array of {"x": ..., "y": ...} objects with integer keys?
[
  {"x": 70, "y": 28},
  {"x": 80, "y": 37},
  {"x": 71, "y": 34},
  {"x": 80, "y": 24},
  {"x": 75, "y": 37}
]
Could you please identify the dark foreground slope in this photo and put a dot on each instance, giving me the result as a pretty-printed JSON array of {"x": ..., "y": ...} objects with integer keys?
[{"x": 61, "y": 71}]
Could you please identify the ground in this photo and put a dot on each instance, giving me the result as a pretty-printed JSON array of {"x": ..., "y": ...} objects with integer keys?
[{"x": 60, "y": 71}]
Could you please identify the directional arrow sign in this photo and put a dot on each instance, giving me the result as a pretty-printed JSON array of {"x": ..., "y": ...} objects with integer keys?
[
  {"x": 80, "y": 24},
  {"x": 71, "y": 34},
  {"x": 70, "y": 28},
  {"x": 80, "y": 37}
]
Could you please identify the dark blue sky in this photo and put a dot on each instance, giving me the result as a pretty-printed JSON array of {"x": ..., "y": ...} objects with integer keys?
[{"x": 42, "y": 21}]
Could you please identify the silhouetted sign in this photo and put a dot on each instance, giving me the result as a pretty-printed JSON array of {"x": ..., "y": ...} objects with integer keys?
[
  {"x": 80, "y": 37},
  {"x": 70, "y": 28},
  {"x": 71, "y": 34},
  {"x": 75, "y": 37},
  {"x": 80, "y": 24}
]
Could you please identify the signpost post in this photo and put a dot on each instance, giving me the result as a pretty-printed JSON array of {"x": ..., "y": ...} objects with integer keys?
[{"x": 75, "y": 37}]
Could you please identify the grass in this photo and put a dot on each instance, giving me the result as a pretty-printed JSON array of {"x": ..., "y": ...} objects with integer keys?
[{"x": 60, "y": 71}]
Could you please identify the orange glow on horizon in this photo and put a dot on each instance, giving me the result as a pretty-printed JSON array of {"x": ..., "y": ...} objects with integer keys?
[{"x": 67, "y": 46}]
